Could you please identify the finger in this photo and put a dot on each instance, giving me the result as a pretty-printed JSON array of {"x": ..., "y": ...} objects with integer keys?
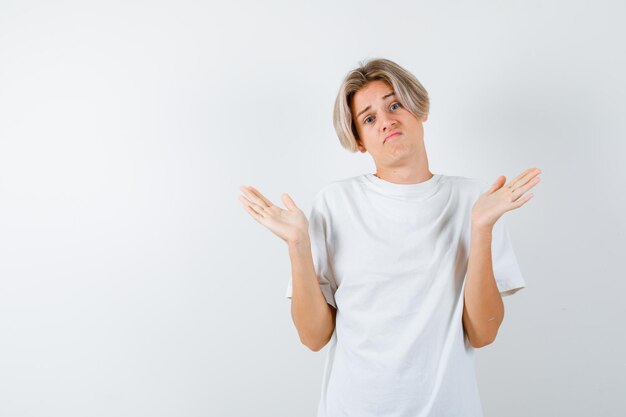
[
  {"x": 257, "y": 209},
  {"x": 521, "y": 188},
  {"x": 261, "y": 196},
  {"x": 252, "y": 196},
  {"x": 256, "y": 216},
  {"x": 289, "y": 203},
  {"x": 521, "y": 175},
  {"x": 524, "y": 178},
  {"x": 522, "y": 201},
  {"x": 497, "y": 184}
]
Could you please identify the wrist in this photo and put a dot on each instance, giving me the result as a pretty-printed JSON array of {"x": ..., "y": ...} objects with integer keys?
[
  {"x": 482, "y": 229},
  {"x": 300, "y": 243}
]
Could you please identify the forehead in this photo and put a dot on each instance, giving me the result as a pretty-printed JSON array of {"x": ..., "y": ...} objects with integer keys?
[{"x": 370, "y": 93}]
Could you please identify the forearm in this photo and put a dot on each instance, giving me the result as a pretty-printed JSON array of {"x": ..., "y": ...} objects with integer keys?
[
  {"x": 483, "y": 309},
  {"x": 312, "y": 315}
]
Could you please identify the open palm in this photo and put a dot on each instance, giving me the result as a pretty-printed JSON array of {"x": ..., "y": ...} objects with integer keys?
[
  {"x": 501, "y": 198},
  {"x": 290, "y": 224}
]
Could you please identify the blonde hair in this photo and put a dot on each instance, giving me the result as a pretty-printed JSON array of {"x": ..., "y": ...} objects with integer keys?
[{"x": 410, "y": 93}]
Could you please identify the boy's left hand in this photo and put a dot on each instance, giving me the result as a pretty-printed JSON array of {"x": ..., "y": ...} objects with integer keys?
[{"x": 499, "y": 199}]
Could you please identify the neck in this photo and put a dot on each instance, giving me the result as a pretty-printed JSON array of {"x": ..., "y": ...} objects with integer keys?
[
  {"x": 401, "y": 177},
  {"x": 410, "y": 172}
]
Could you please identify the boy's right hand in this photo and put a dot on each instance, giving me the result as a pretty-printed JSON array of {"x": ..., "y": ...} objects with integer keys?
[{"x": 291, "y": 225}]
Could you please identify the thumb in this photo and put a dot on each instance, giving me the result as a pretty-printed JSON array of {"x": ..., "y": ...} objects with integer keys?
[
  {"x": 289, "y": 203},
  {"x": 498, "y": 183}
]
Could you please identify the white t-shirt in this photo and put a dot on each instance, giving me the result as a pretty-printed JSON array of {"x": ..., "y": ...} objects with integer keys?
[{"x": 392, "y": 259}]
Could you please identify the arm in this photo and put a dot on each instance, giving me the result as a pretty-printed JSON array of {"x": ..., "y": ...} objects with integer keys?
[
  {"x": 483, "y": 309},
  {"x": 313, "y": 317}
]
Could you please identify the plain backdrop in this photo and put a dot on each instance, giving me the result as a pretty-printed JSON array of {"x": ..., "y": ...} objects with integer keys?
[{"x": 133, "y": 282}]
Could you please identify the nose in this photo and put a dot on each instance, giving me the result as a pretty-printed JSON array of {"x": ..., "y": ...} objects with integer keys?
[{"x": 387, "y": 122}]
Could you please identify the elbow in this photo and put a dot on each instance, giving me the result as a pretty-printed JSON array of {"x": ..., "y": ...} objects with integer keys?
[
  {"x": 315, "y": 335},
  {"x": 315, "y": 345},
  {"x": 478, "y": 343},
  {"x": 315, "y": 342},
  {"x": 315, "y": 348},
  {"x": 482, "y": 338}
]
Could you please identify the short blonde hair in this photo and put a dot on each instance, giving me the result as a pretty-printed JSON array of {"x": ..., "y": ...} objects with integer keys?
[{"x": 410, "y": 93}]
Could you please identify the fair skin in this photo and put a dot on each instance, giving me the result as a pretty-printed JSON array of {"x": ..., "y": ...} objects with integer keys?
[
  {"x": 313, "y": 317},
  {"x": 402, "y": 159},
  {"x": 394, "y": 138}
]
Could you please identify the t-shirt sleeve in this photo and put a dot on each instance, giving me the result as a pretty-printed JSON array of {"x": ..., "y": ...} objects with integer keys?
[
  {"x": 319, "y": 230},
  {"x": 506, "y": 270}
]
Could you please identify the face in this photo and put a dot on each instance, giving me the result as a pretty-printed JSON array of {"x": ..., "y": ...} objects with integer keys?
[{"x": 388, "y": 131}]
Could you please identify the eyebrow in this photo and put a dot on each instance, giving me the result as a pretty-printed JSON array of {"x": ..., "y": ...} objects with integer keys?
[{"x": 368, "y": 107}]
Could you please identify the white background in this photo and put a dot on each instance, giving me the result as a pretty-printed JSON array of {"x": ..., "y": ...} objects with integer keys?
[{"x": 133, "y": 282}]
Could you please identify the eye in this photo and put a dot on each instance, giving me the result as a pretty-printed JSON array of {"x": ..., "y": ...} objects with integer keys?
[
  {"x": 396, "y": 104},
  {"x": 367, "y": 119}
]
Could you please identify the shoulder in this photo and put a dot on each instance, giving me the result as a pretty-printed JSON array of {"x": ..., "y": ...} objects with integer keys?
[
  {"x": 472, "y": 187},
  {"x": 340, "y": 188}
]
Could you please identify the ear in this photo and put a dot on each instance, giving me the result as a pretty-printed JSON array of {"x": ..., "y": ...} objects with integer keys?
[
  {"x": 425, "y": 118},
  {"x": 360, "y": 146}
]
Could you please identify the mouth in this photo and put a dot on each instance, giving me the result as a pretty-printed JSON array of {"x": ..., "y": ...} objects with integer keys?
[{"x": 392, "y": 135}]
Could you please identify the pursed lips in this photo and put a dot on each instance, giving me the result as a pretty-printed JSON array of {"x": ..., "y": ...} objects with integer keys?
[{"x": 392, "y": 135}]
